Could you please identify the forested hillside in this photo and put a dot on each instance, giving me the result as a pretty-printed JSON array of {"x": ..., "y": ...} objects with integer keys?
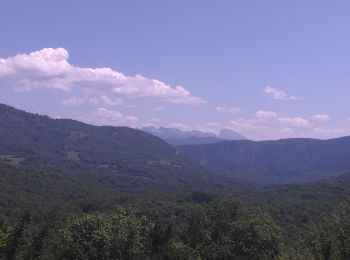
[
  {"x": 273, "y": 162},
  {"x": 71, "y": 167},
  {"x": 125, "y": 155},
  {"x": 52, "y": 217},
  {"x": 74, "y": 191}
]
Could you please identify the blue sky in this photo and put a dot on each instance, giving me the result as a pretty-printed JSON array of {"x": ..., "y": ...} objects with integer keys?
[{"x": 267, "y": 69}]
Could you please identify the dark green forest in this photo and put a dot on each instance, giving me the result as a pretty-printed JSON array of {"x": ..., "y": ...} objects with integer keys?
[{"x": 74, "y": 191}]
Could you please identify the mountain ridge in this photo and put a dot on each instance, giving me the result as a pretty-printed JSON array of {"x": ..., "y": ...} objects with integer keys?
[
  {"x": 276, "y": 161},
  {"x": 126, "y": 155},
  {"x": 177, "y": 137}
]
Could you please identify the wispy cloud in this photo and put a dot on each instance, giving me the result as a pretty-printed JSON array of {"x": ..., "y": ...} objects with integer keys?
[
  {"x": 104, "y": 116},
  {"x": 73, "y": 101},
  {"x": 228, "y": 109},
  {"x": 328, "y": 131},
  {"x": 295, "y": 121},
  {"x": 97, "y": 100},
  {"x": 181, "y": 126},
  {"x": 50, "y": 68},
  {"x": 265, "y": 114},
  {"x": 155, "y": 120},
  {"x": 258, "y": 129},
  {"x": 321, "y": 117},
  {"x": 211, "y": 127},
  {"x": 279, "y": 94}
]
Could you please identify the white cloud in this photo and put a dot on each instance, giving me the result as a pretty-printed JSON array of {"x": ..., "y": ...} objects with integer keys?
[
  {"x": 141, "y": 87},
  {"x": 49, "y": 68},
  {"x": 285, "y": 132},
  {"x": 73, "y": 101},
  {"x": 254, "y": 129},
  {"x": 106, "y": 101},
  {"x": 104, "y": 116},
  {"x": 180, "y": 126},
  {"x": 96, "y": 99},
  {"x": 321, "y": 117},
  {"x": 265, "y": 114},
  {"x": 279, "y": 94},
  {"x": 228, "y": 109},
  {"x": 328, "y": 132},
  {"x": 241, "y": 123},
  {"x": 295, "y": 121},
  {"x": 211, "y": 127},
  {"x": 259, "y": 129},
  {"x": 155, "y": 120}
]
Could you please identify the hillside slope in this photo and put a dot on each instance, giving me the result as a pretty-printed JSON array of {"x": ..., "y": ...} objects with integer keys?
[
  {"x": 50, "y": 165},
  {"x": 40, "y": 142},
  {"x": 272, "y": 162}
]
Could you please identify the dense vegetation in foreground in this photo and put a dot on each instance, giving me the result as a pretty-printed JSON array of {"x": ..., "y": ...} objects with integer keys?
[
  {"x": 220, "y": 230},
  {"x": 74, "y": 191},
  {"x": 47, "y": 216}
]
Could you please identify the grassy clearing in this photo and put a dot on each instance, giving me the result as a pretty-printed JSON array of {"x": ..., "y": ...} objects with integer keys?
[
  {"x": 11, "y": 159},
  {"x": 73, "y": 156}
]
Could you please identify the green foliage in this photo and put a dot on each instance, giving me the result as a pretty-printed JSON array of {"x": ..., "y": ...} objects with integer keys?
[
  {"x": 343, "y": 235},
  {"x": 177, "y": 250},
  {"x": 223, "y": 231},
  {"x": 298, "y": 208},
  {"x": 15, "y": 239},
  {"x": 5, "y": 233},
  {"x": 122, "y": 235},
  {"x": 197, "y": 230},
  {"x": 127, "y": 235},
  {"x": 331, "y": 240},
  {"x": 257, "y": 237}
]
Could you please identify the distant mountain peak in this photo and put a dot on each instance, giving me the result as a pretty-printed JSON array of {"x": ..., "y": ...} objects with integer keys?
[
  {"x": 177, "y": 137},
  {"x": 230, "y": 135}
]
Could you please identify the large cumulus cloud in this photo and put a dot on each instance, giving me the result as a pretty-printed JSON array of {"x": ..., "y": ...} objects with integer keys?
[{"x": 50, "y": 68}]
